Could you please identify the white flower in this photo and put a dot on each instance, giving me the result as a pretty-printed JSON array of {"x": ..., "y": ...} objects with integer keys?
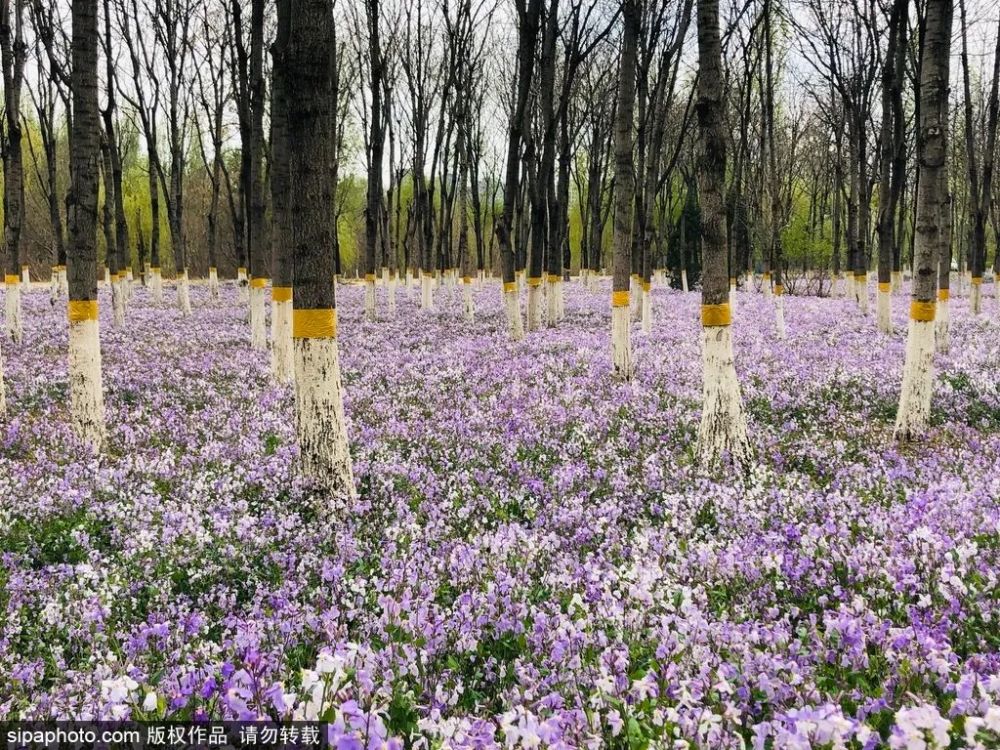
[
  {"x": 118, "y": 690},
  {"x": 149, "y": 704},
  {"x": 920, "y": 728},
  {"x": 328, "y": 663}
]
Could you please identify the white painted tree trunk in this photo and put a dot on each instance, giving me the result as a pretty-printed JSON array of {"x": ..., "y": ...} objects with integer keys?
[
  {"x": 370, "y": 315},
  {"x": 258, "y": 331},
  {"x": 779, "y": 316},
  {"x": 732, "y": 296},
  {"x": 156, "y": 285},
  {"x": 183, "y": 293},
  {"x": 54, "y": 287},
  {"x": 552, "y": 300},
  {"x": 14, "y": 322},
  {"x": 996, "y": 287},
  {"x": 621, "y": 342},
  {"x": 118, "y": 301},
  {"x": 282, "y": 359},
  {"x": 107, "y": 276},
  {"x": 765, "y": 286},
  {"x": 684, "y": 279},
  {"x": 861, "y": 289},
  {"x": 468, "y": 305},
  {"x": 635, "y": 298},
  {"x": 243, "y": 284},
  {"x": 884, "y": 309},
  {"x": 942, "y": 326},
  {"x": 324, "y": 455},
  {"x": 512, "y": 305},
  {"x": 647, "y": 310},
  {"x": 391, "y": 301},
  {"x": 426, "y": 292},
  {"x": 914, "y": 411},
  {"x": 534, "y": 305},
  {"x": 63, "y": 281},
  {"x": 25, "y": 275},
  {"x": 723, "y": 428},
  {"x": 976, "y": 296},
  {"x": 86, "y": 394},
  {"x": 897, "y": 282},
  {"x": 213, "y": 282}
]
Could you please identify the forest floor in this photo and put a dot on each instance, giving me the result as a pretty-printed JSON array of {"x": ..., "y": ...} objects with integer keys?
[{"x": 533, "y": 559}]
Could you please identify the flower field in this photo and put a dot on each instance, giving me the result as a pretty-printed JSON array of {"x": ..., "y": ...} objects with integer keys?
[{"x": 533, "y": 559}]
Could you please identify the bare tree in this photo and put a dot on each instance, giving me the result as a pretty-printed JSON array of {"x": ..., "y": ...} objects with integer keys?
[
  {"x": 319, "y": 410},
  {"x": 723, "y": 430},
  {"x": 86, "y": 392},
  {"x": 932, "y": 232},
  {"x": 13, "y": 54}
]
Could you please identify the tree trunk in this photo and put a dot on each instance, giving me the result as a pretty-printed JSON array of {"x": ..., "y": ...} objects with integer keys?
[
  {"x": 913, "y": 415},
  {"x": 282, "y": 361},
  {"x": 723, "y": 430},
  {"x": 258, "y": 251},
  {"x": 86, "y": 394},
  {"x": 319, "y": 410},
  {"x": 621, "y": 335},
  {"x": 13, "y": 53}
]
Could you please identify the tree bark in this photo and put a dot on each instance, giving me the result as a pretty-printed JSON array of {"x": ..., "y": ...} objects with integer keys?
[{"x": 912, "y": 417}]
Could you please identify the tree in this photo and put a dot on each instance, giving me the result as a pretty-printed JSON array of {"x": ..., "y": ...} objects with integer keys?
[
  {"x": 213, "y": 97},
  {"x": 980, "y": 186},
  {"x": 528, "y": 13},
  {"x": 319, "y": 408},
  {"x": 621, "y": 335},
  {"x": 13, "y": 54},
  {"x": 892, "y": 154},
  {"x": 86, "y": 393},
  {"x": 283, "y": 364},
  {"x": 117, "y": 249},
  {"x": 723, "y": 429},
  {"x": 933, "y": 207}
]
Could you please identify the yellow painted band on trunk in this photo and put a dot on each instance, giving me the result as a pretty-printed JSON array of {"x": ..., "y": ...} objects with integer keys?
[
  {"x": 554, "y": 277},
  {"x": 922, "y": 312},
  {"x": 11, "y": 279},
  {"x": 766, "y": 276},
  {"x": 732, "y": 281},
  {"x": 79, "y": 310},
  {"x": 944, "y": 294},
  {"x": 281, "y": 294},
  {"x": 466, "y": 279},
  {"x": 535, "y": 281},
  {"x": 645, "y": 285},
  {"x": 213, "y": 269},
  {"x": 861, "y": 277},
  {"x": 716, "y": 315},
  {"x": 58, "y": 268},
  {"x": 977, "y": 280},
  {"x": 510, "y": 286},
  {"x": 428, "y": 275},
  {"x": 884, "y": 286},
  {"x": 25, "y": 266},
  {"x": 154, "y": 269},
  {"x": 258, "y": 282},
  {"x": 619, "y": 298},
  {"x": 318, "y": 323},
  {"x": 241, "y": 270},
  {"x": 370, "y": 277},
  {"x": 779, "y": 289}
]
